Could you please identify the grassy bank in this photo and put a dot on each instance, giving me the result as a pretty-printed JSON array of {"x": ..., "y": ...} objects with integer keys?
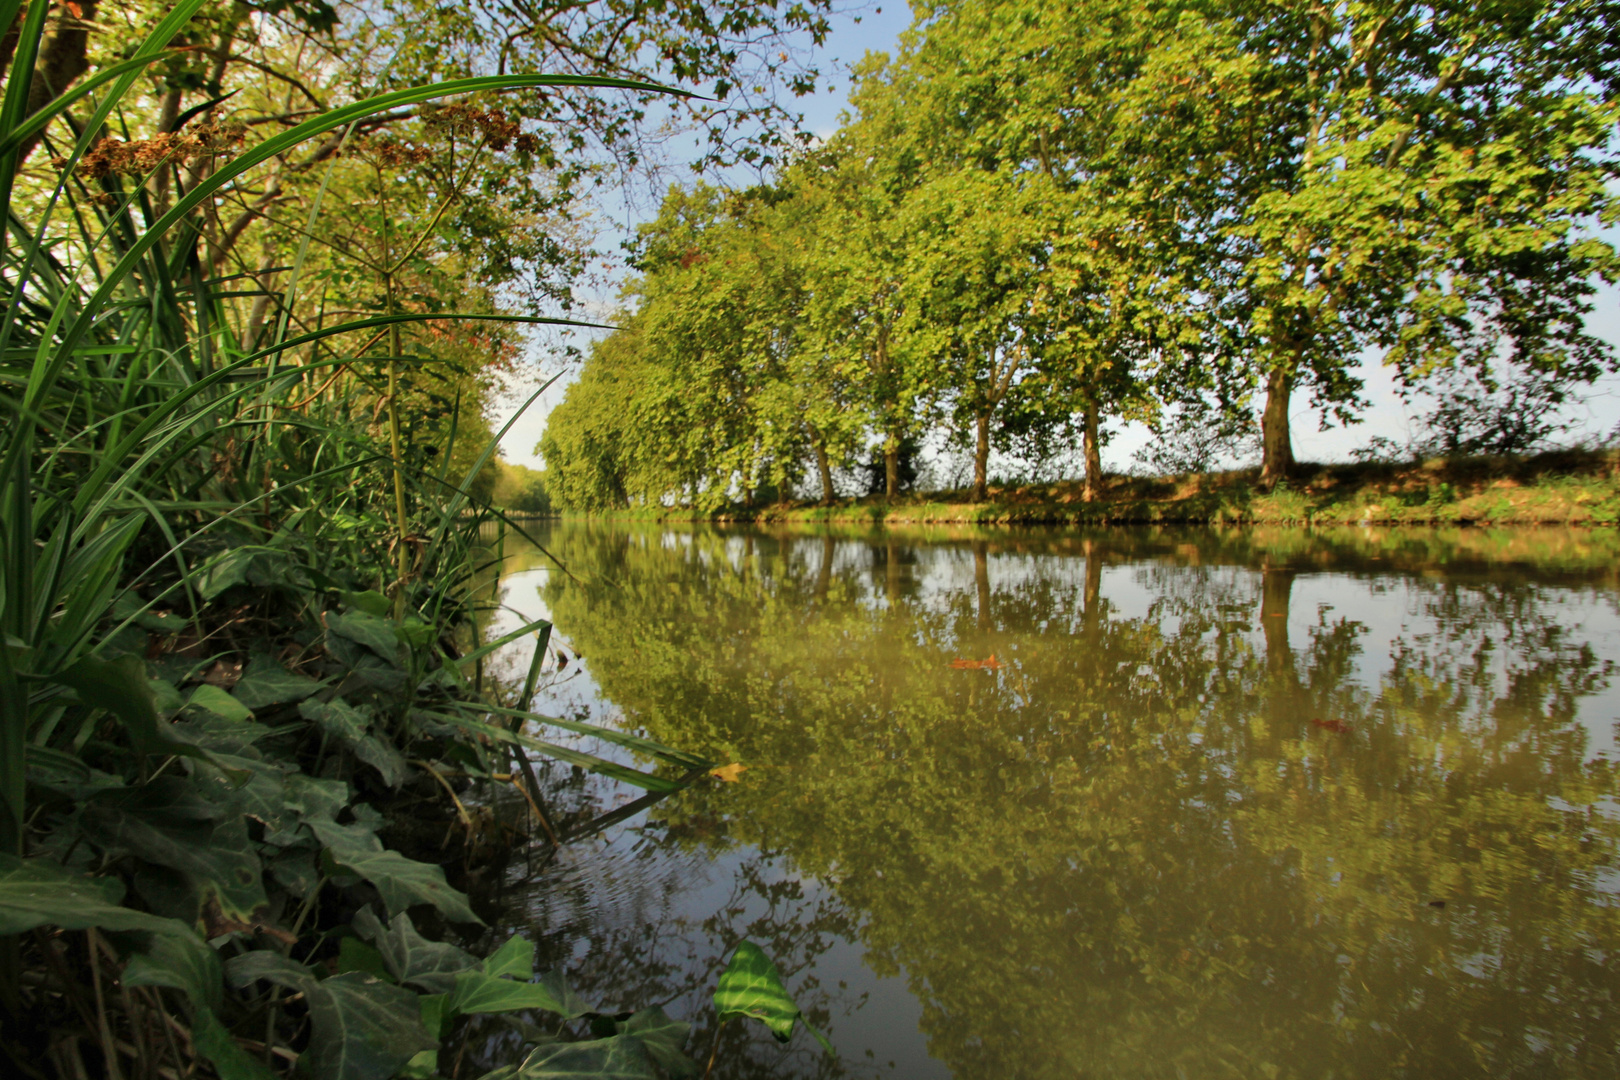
[{"x": 1560, "y": 488}]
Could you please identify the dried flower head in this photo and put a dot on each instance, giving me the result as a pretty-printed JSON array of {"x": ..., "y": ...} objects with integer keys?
[
  {"x": 394, "y": 154},
  {"x": 492, "y": 125},
  {"x": 140, "y": 156}
]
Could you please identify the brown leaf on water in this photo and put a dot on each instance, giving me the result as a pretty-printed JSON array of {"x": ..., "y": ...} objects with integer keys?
[{"x": 729, "y": 773}]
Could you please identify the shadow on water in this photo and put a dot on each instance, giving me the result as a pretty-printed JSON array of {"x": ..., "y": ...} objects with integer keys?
[{"x": 1201, "y": 803}]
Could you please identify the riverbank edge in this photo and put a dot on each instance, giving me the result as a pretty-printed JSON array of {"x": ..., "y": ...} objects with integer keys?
[{"x": 1570, "y": 487}]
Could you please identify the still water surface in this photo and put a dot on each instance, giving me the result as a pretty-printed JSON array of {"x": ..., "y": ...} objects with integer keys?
[{"x": 1197, "y": 803}]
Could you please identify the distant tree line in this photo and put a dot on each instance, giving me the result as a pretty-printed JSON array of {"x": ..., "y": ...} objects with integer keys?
[{"x": 1041, "y": 216}]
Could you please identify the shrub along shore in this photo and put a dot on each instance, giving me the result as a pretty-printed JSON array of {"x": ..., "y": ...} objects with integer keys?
[{"x": 1569, "y": 487}]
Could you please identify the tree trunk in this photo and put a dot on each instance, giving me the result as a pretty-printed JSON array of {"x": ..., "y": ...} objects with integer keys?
[
  {"x": 981, "y": 581},
  {"x": 891, "y": 571},
  {"x": 1092, "y": 447},
  {"x": 1091, "y": 596},
  {"x": 824, "y": 469},
  {"x": 1287, "y": 702},
  {"x": 1277, "y": 447},
  {"x": 1276, "y": 588},
  {"x": 981, "y": 457},
  {"x": 824, "y": 570},
  {"x": 62, "y": 59},
  {"x": 8, "y": 40},
  {"x": 891, "y": 468}
]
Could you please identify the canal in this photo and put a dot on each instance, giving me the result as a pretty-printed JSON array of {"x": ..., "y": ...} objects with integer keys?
[{"x": 1174, "y": 803}]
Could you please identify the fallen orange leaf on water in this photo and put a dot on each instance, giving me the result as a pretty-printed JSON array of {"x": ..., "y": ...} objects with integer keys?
[
  {"x": 991, "y": 664},
  {"x": 728, "y": 773}
]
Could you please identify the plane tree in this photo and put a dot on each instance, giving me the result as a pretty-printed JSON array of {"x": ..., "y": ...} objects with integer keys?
[
  {"x": 1035, "y": 92},
  {"x": 1417, "y": 180}
]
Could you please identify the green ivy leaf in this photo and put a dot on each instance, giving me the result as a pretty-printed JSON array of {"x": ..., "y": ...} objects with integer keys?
[
  {"x": 187, "y": 964},
  {"x": 265, "y": 683},
  {"x": 401, "y": 881},
  {"x": 38, "y": 893},
  {"x": 375, "y": 634},
  {"x": 211, "y": 699},
  {"x": 351, "y": 726},
  {"x": 181, "y": 962},
  {"x": 515, "y": 958},
  {"x": 159, "y": 825},
  {"x": 410, "y": 957},
  {"x": 316, "y": 799},
  {"x": 228, "y": 1058},
  {"x": 363, "y": 1028},
  {"x": 664, "y": 1040},
  {"x": 121, "y": 687},
  {"x": 356, "y": 955},
  {"x": 34, "y": 892},
  {"x": 618, "y": 1058},
  {"x": 476, "y": 992},
  {"x": 371, "y": 602}
]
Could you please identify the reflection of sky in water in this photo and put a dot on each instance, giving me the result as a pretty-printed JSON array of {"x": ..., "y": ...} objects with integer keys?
[
  {"x": 610, "y": 888},
  {"x": 1387, "y": 610}
]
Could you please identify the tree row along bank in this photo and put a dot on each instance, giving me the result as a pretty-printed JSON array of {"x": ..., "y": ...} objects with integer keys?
[
  {"x": 1044, "y": 218},
  {"x": 1560, "y": 488},
  {"x": 265, "y": 265}
]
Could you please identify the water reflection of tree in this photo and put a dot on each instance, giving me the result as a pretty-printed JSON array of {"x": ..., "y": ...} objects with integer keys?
[{"x": 1130, "y": 851}]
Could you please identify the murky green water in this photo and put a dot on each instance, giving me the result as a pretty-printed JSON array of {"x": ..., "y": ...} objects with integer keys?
[{"x": 1162, "y": 804}]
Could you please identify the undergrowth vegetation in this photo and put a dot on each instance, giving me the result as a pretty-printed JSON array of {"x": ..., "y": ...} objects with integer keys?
[{"x": 240, "y": 653}]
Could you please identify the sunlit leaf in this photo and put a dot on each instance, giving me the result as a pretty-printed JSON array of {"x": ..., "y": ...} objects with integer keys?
[
  {"x": 476, "y": 992},
  {"x": 515, "y": 958},
  {"x": 371, "y": 602},
  {"x": 212, "y": 699},
  {"x": 356, "y": 955},
  {"x": 752, "y": 987}
]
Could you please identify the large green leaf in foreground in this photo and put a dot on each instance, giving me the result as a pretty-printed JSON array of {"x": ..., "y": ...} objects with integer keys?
[
  {"x": 502, "y": 985},
  {"x": 34, "y": 892},
  {"x": 752, "y": 987},
  {"x": 664, "y": 1040},
  {"x": 410, "y": 957},
  {"x": 621, "y": 1057},
  {"x": 363, "y": 1028}
]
